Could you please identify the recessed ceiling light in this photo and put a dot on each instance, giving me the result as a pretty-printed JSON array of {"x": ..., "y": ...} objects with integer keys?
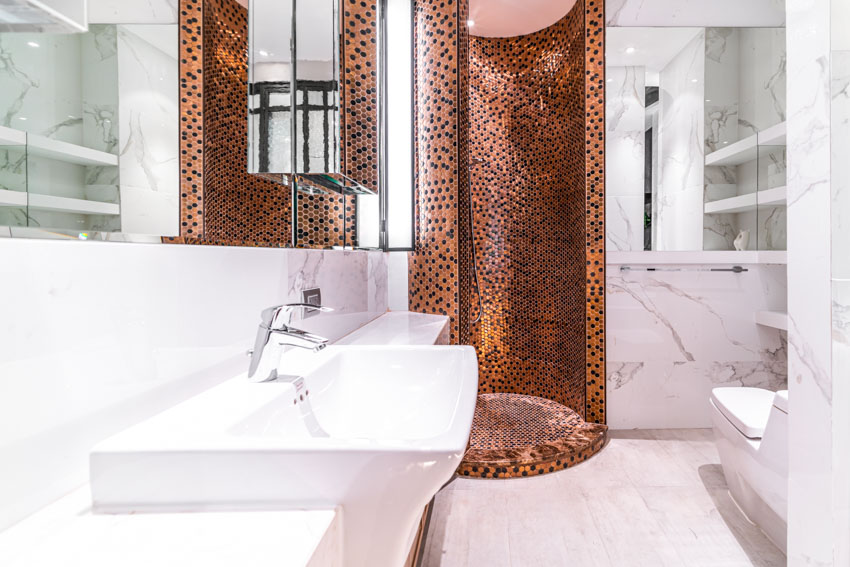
[
  {"x": 694, "y": 80},
  {"x": 630, "y": 50},
  {"x": 263, "y": 53},
  {"x": 470, "y": 23},
  {"x": 21, "y": 118},
  {"x": 33, "y": 44}
]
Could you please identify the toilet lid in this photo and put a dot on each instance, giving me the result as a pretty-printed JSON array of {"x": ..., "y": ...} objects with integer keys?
[
  {"x": 746, "y": 408},
  {"x": 781, "y": 400}
]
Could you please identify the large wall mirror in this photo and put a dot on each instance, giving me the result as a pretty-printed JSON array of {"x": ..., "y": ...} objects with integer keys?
[
  {"x": 89, "y": 133},
  {"x": 695, "y": 138},
  {"x": 265, "y": 123}
]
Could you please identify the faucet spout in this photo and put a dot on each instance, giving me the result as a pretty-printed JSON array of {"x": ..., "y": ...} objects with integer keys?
[{"x": 274, "y": 333}]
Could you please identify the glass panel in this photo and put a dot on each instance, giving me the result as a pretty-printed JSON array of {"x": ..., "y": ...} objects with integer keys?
[
  {"x": 663, "y": 87},
  {"x": 270, "y": 74},
  {"x": 13, "y": 186},
  {"x": 772, "y": 210},
  {"x": 316, "y": 69}
]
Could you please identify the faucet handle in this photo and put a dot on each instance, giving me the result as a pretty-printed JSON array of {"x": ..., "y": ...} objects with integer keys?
[{"x": 273, "y": 317}]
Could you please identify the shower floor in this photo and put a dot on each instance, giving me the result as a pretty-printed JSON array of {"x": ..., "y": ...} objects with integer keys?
[{"x": 515, "y": 435}]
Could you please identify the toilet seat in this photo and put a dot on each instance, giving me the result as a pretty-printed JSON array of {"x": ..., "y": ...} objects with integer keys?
[{"x": 746, "y": 408}]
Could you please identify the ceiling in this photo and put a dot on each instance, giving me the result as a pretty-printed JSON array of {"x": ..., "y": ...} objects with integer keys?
[{"x": 509, "y": 18}]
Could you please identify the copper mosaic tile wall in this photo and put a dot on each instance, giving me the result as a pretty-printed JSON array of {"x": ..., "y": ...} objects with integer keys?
[
  {"x": 237, "y": 206},
  {"x": 191, "y": 118},
  {"x": 527, "y": 105},
  {"x": 537, "y": 111},
  {"x": 359, "y": 93},
  {"x": 595, "y": 213},
  {"x": 437, "y": 272}
]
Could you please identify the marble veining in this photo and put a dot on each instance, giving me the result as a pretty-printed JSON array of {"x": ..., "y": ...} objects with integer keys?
[
  {"x": 679, "y": 193},
  {"x": 148, "y": 114},
  {"x": 673, "y": 336},
  {"x": 143, "y": 12},
  {"x": 762, "y": 61},
  {"x": 840, "y": 125},
  {"x": 624, "y": 146},
  {"x": 813, "y": 502},
  {"x": 621, "y": 373},
  {"x": 694, "y": 13}
]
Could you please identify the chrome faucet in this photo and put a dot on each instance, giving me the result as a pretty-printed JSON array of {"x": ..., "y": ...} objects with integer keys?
[{"x": 275, "y": 331}]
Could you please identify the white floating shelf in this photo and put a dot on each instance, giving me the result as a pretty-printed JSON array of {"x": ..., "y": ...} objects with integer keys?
[
  {"x": 68, "y": 205},
  {"x": 37, "y": 202},
  {"x": 72, "y": 153},
  {"x": 748, "y": 202},
  {"x": 736, "y": 153},
  {"x": 746, "y": 150},
  {"x": 12, "y": 137},
  {"x": 775, "y": 319},
  {"x": 773, "y": 136},
  {"x": 38, "y": 145},
  {"x": 13, "y": 198}
]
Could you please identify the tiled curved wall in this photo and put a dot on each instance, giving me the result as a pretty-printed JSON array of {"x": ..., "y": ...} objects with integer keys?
[
  {"x": 527, "y": 124},
  {"x": 539, "y": 199}
]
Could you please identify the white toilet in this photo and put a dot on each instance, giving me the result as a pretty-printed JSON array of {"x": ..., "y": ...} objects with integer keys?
[{"x": 751, "y": 429}]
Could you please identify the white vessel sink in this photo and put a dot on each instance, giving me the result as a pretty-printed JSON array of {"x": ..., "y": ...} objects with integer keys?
[{"x": 378, "y": 432}]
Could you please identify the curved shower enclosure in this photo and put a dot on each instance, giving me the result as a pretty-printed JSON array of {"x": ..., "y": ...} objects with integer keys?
[{"x": 536, "y": 217}]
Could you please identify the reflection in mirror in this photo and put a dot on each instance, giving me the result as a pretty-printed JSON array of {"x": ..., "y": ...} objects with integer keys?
[
  {"x": 89, "y": 138},
  {"x": 269, "y": 97},
  {"x": 695, "y": 122},
  {"x": 327, "y": 153}
]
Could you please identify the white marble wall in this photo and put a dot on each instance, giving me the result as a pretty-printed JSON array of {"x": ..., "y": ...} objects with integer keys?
[
  {"x": 721, "y": 129},
  {"x": 761, "y": 79},
  {"x": 625, "y": 123},
  {"x": 149, "y": 129},
  {"x": 819, "y": 416},
  {"x": 98, "y": 336},
  {"x": 133, "y": 11},
  {"x": 673, "y": 336},
  {"x": 679, "y": 197},
  {"x": 694, "y": 13}
]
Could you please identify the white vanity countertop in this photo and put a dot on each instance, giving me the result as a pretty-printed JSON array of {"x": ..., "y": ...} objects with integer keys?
[
  {"x": 67, "y": 534},
  {"x": 400, "y": 328}
]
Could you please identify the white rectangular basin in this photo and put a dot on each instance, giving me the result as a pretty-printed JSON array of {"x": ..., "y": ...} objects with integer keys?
[{"x": 375, "y": 430}]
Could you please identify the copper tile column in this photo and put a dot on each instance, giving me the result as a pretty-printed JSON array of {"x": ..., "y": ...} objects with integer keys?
[
  {"x": 594, "y": 33},
  {"x": 439, "y": 268}
]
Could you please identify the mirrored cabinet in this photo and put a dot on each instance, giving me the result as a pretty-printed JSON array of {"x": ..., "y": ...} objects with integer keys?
[
  {"x": 319, "y": 110},
  {"x": 89, "y": 140},
  {"x": 695, "y": 139}
]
